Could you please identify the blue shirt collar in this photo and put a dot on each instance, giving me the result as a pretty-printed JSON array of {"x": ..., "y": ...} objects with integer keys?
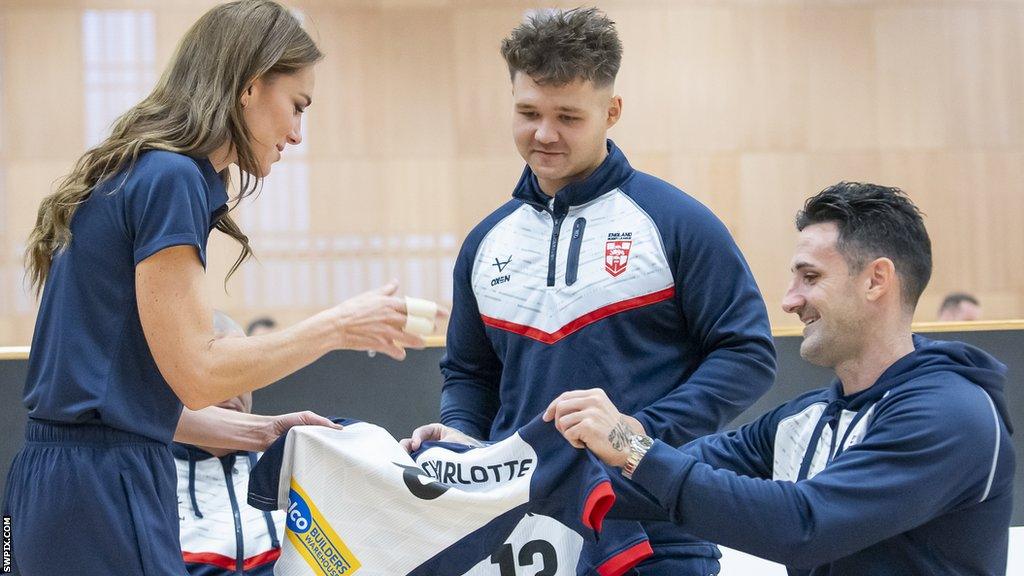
[
  {"x": 608, "y": 176},
  {"x": 216, "y": 193}
]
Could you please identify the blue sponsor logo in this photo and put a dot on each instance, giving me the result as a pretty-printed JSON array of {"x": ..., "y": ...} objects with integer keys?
[{"x": 299, "y": 518}]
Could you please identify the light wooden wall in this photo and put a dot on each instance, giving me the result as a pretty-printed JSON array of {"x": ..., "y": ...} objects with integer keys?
[{"x": 749, "y": 106}]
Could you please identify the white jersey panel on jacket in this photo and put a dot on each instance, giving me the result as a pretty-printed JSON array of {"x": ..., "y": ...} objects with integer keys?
[
  {"x": 215, "y": 531},
  {"x": 621, "y": 264},
  {"x": 794, "y": 434}
]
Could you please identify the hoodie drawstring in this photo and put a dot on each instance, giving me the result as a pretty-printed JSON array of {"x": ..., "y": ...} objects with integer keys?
[
  {"x": 837, "y": 450},
  {"x": 831, "y": 414},
  {"x": 827, "y": 416},
  {"x": 192, "y": 484}
]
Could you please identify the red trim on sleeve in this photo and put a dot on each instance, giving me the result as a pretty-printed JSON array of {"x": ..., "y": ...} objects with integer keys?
[
  {"x": 623, "y": 561},
  {"x": 582, "y": 321},
  {"x": 599, "y": 502}
]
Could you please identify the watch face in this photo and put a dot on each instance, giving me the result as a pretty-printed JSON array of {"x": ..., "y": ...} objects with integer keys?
[
  {"x": 638, "y": 446},
  {"x": 642, "y": 442}
]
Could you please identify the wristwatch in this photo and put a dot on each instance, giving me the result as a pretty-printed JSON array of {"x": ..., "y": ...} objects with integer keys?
[{"x": 639, "y": 444}]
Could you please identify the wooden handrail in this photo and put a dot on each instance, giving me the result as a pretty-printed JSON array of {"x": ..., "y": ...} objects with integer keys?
[{"x": 21, "y": 352}]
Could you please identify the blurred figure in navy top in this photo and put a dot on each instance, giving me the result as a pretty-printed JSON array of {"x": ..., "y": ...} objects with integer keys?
[{"x": 124, "y": 335}]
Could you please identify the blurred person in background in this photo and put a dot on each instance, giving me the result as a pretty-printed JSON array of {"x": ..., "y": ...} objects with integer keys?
[
  {"x": 261, "y": 325},
  {"x": 959, "y": 307}
]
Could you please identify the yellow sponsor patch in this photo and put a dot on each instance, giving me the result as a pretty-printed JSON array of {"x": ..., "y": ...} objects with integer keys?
[{"x": 314, "y": 538}]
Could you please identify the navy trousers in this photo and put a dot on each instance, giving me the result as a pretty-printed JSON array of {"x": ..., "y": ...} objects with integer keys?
[{"x": 87, "y": 499}]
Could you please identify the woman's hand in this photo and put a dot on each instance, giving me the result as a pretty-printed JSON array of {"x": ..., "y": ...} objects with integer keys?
[
  {"x": 203, "y": 370},
  {"x": 222, "y": 430},
  {"x": 375, "y": 321},
  {"x": 276, "y": 426}
]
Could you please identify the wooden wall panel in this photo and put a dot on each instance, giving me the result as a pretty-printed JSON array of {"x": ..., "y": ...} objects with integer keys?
[
  {"x": 650, "y": 72},
  {"x": 42, "y": 115},
  {"x": 24, "y": 181},
  {"x": 483, "y": 91},
  {"x": 913, "y": 77},
  {"x": 714, "y": 179},
  {"x": 773, "y": 63},
  {"x": 707, "y": 87},
  {"x": 418, "y": 196},
  {"x": 765, "y": 232},
  {"x": 986, "y": 89},
  {"x": 841, "y": 109},
  {"x": 749, "y": 106},
  {"x": 346, "y": 188},
  {"x": 342, "y": 120},
  {"x": 414, "y": 81},
  {"x": 482, "y": 186}
]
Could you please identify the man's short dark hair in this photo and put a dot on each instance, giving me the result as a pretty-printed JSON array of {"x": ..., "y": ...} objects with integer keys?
[
  {"x": 558, "y": 46},
  {"x": 874, "y": 222},
  {"x": 955, "y": 299}
]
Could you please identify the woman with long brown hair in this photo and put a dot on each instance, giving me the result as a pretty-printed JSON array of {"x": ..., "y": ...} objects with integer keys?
[{"x": 124, "y": 335}]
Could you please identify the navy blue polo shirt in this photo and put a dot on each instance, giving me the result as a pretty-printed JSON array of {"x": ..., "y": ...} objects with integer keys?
[{"x": 89, "y": 361}]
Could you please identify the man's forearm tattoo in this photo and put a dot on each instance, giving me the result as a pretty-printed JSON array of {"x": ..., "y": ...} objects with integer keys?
[{"x": 620, "y": 435}]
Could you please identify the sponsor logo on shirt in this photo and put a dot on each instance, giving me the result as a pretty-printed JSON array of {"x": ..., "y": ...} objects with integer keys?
[
  {"x": 616, "y": 252},
  {"x": 456, "y": 473},
  {"x": 313, "y": 537},
  {"x": 501, "y": 264},
  {"x": 414, "y": 481},
  {"x": 434, "y": 477}
]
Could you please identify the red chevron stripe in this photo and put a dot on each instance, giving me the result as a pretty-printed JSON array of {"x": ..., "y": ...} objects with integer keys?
[
  {"x": 582, "y": 321},
  {"x": 221, "y": 561}
]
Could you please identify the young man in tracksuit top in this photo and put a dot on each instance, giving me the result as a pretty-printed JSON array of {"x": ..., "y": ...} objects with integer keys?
[
  {"x": 903, "y": 465},
  {"x": 595, "y": 274}
]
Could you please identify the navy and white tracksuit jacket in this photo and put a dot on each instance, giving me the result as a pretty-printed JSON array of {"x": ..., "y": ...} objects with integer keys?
[
  {"x": 912, "y": 476},
  {"x": 621, "y": 282},
  {"x": 221, "y": 534}
]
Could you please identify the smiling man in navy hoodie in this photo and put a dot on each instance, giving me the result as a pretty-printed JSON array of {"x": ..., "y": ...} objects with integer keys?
[
  {"x": 903, "y": 465},
  {"x": 595, "y": 273}
]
